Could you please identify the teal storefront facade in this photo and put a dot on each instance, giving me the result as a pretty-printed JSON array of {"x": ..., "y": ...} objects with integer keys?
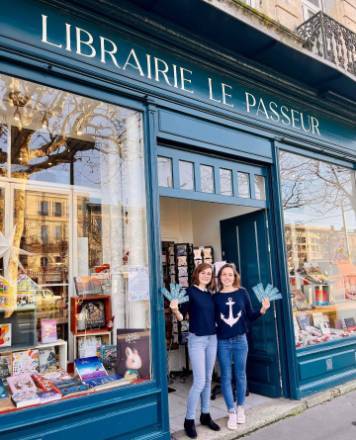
[{"x": 195, "y": 100}]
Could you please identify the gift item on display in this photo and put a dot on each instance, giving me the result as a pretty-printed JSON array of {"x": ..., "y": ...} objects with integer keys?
[
  {"x": 48, "y": 330},
  {"x": 91, "y": 313},
  {"x": 133, "y": 355}
]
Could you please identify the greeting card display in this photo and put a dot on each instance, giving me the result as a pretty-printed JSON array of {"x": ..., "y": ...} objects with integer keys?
[{"x": 133, "y": 354}]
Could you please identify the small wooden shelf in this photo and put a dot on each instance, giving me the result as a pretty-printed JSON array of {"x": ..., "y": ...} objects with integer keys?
[{"x": 77, "y": 304}]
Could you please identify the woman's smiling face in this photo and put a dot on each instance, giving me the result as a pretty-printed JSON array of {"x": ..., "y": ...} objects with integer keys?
[
  {"x": 227, "y": 277},
  {"x": 205, "y": 277}
]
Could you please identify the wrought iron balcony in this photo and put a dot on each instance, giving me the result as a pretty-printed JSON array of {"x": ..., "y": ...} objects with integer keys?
[{"x": 328, "y": 38}]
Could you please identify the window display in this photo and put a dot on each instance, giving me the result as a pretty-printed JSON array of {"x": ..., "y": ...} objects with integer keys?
[
  {"x": 72, "y": 230},
  {"x": 320, "y": 222}
]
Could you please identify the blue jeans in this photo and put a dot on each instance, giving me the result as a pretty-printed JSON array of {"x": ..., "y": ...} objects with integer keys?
[
  {"x": 202, "y": 355},
  {"x": 232, "y": 355}
]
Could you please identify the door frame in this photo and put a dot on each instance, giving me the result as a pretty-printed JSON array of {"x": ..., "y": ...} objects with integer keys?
[{"x": 277, "y": 264}]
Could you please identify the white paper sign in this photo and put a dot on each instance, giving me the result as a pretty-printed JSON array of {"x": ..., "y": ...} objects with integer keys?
[{"x": 138, "y": 284}]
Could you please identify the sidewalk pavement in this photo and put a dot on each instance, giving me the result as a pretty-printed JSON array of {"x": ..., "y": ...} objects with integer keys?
[{"x": 263, "y": 415}]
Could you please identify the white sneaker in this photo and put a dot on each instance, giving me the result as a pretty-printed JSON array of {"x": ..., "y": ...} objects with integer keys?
[
  {"x": 232, "y": 421},
  {"x": 241, "y": 417}
]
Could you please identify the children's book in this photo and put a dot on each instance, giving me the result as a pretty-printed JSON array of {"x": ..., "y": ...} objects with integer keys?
[
  {"x": 103, "y": 380},
  {"x": 3, "y": 390},
  {"x": 88, "y": 346},
  {"x": 48, "y": 360},
  {"x": 5, "y": 365},
  {"x": 64, "y": 382},
  {"x": 304, "y": 320},
  {"x": 48, "y": 396},
  {"x": 133, "y": 354},
  {"x": 5, "y": 335},
  {"x": 44, "y": 384},
  {"x": 48, "y": 331},
  {"x": 23, "y": 389},
  {"x": 25, "y": 362},
  {"x": 89, "y": 368},
  {"x": 108, "y": 356}
]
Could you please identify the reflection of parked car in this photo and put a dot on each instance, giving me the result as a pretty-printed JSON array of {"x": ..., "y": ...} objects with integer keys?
[
  {"x": 49, "y": 305},
  {"x": 47, "y": 300}
]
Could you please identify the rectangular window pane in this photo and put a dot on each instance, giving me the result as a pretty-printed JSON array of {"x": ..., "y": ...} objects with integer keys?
[
  {"x": 260, "y": 190},
  {"x": 207, "y": 179},
  {"x": 165, "y": 178},
  {"x": 320, "y": 238},
  {"x": 186, "y": 175},
  {"x": 225, "y": 182},
  {"x": 243, "y": 185},
  {"x": 82, "y": 229}
]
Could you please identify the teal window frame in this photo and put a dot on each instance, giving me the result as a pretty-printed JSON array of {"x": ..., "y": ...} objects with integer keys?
[{"x": 199, "y": 159}]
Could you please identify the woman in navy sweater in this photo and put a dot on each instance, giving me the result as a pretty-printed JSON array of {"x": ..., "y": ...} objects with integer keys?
[
  {"x": 233, "y": 313},
  {"x": 202, "y": 345}
]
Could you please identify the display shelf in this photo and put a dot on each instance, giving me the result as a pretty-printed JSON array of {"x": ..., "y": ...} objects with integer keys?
[
  {"x": 97, "y": 314},
  {"x": 331, "y": 308},
  {"x": 60, "y": 343}
]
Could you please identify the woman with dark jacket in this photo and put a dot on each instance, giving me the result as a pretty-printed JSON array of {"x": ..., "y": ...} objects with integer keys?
[{"x": 202, "y": 345}]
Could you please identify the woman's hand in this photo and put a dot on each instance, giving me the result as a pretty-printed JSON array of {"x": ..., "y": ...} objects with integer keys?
[
  {"x": 265, "y": 305},
  {"x": 174, "y": 307}
]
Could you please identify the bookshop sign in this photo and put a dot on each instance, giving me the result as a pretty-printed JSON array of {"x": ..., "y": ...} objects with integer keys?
[{"x": 121, "y": 55}]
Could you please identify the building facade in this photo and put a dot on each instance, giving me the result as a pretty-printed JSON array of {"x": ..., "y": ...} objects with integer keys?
[{"x": 120, "y": 123}]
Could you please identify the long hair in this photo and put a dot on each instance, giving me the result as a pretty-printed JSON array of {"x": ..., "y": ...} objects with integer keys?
[
  {"x": 237, "y": 278},
  {"x": 198, "y": 270}
]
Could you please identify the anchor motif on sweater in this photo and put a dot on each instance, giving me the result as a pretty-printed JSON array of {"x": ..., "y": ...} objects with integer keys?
[{"x": 231, "y": 320}]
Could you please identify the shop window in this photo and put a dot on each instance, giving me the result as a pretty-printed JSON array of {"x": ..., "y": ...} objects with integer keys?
[
  {"x": 80, "y": 234},
  {"x": 207, "y": 179},
  {"x": 260, "y": 190},
  {"x": 320, "y": 224},
  {"x": 165, "y": 177},
  {"x": 225, "y": 182},
  {"x": 186, "y": 175},
  {"x": 243, "y": 185}
]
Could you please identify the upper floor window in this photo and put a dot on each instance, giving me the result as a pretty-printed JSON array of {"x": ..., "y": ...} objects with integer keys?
[{"x": 310, "y": 8}]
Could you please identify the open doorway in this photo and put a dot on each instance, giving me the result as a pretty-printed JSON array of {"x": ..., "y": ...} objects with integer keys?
[{"x": 196, "y": 231}]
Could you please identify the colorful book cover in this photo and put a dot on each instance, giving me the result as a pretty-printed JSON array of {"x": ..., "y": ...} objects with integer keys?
[
  {"x": 3, "y": 390},
  {"x": 5, "y": 335},
  {"x": 133, "y": 355},
  {"x": 25, "y": 362},
  {"x": 48, "y": 396},
  {"x": 304, "y": 320},
  {"x": 108, "y": 356},
  {"x": 103, "y": 380},
  {"x": 23, "y": 389},
  {"x": 43, "y": 383},
  {"x": 88, "y": 346},
  {"x": 5, "y": 365},
  {"x": 48, "y": 331},
  {"x": 73, "y": 386},
  {"x": 48, "y": 360},
  {"x": 90, "y": 368},
  {"x": 89, "y": 284},
  {"x": 57, "y": 376}
]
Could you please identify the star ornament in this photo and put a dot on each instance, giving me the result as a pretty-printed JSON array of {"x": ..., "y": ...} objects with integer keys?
[{"x": 9, "y": 251}]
